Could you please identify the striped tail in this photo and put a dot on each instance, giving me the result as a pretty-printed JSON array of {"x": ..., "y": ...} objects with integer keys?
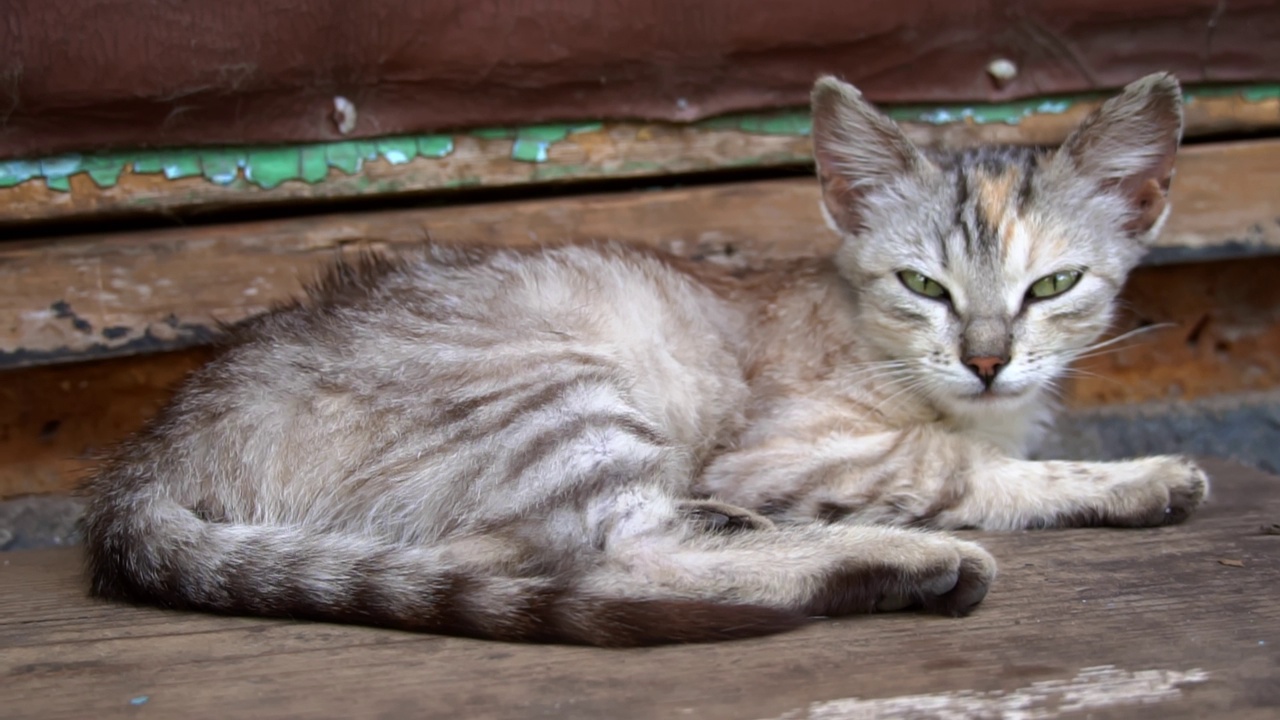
[{"x": 158, "y": 552}]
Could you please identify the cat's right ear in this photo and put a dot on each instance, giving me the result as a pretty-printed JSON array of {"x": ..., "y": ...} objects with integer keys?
[{"x": 857, "y": 150}]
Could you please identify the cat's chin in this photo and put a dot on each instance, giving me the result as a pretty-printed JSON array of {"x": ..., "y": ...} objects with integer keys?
[{"x": 994, "y": 400}]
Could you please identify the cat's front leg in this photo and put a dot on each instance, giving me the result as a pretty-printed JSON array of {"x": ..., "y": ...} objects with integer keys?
[
  {"x": 934, "y": 478},
  {"x": 1002, "y": 493}
]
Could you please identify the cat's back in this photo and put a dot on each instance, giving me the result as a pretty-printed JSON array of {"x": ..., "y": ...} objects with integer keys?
[{"x": 438, "y": 303}]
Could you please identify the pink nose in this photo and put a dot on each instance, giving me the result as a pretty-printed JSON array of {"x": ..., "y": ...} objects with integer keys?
[{"x": 986, "y": 367}]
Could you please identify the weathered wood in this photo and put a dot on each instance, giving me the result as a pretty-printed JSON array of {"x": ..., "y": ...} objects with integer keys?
[
  {"x": 1224, "y": 338},
  {"x": 1214, "y": 328},
  {"x": 611, "y": 150},
  {"x": 55, "y": 420},
  {"x": 102, "y": 295},
  {"x": 1177, "y": 622}
]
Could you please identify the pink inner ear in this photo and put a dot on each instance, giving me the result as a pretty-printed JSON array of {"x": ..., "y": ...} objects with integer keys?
[
  {"x": 1149, "y": 201},
  {"x": 839, "y": 199}
]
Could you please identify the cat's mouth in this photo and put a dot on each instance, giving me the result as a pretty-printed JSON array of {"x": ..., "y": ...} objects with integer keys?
[{"x": 994, "y": 395}]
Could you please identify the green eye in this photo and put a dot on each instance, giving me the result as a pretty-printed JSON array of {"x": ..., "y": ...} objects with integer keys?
[
  {"x": 922, "y": 285},
  {"x": 1055, "y": 284}
]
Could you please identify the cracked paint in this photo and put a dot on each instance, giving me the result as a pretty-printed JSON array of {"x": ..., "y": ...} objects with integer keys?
[{"x": 269, "y": 166}]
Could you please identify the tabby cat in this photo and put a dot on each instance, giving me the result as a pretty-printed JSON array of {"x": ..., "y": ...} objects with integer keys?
[{"x": 607, "y": 445}]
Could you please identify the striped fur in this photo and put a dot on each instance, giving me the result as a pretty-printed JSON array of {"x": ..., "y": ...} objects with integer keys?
[{"x": 605, "y": 445}]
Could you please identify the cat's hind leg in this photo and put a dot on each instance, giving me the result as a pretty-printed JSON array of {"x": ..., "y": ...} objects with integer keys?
[{"x": 815, "y": 569}]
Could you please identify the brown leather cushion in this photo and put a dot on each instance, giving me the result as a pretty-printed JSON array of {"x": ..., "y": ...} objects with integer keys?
[{"x": 91, "y": 74}]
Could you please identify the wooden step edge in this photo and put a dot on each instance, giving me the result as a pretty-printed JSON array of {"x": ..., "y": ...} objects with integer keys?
[
  {"x": 183, "y": 181},
  {"x": 91, "y": 296}
]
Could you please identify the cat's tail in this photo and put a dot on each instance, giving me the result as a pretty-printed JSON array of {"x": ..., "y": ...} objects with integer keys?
[{"x": 154, "y": 550}]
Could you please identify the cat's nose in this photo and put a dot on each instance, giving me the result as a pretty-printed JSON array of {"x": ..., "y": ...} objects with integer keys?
[{"x": 986, "y": 367}]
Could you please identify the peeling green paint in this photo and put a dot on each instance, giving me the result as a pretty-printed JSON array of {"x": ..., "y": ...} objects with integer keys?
[
  {"x": 313, "y": 164},
  {"x": 435, "y": 146},
  {"x": 343, "y": 155},
  {"x": 178, "y": 164},
  {"x": 533, "y": 142},
  {"x": 220, "y": 166},
  {"x": 269, "y": 166},
  {"x": 398, "y": 151},
  {"x": 1258, "y": 93},
  {"x": 104, "y": 170},
  {"x": 795, "y": 122},
  {"x": 18, "y": 171},
  {"x": 1008, "y": 113},
  {"x": 148, "y": 161}
]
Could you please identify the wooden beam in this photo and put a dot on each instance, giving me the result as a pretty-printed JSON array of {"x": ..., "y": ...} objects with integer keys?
[
  {"x": 186, "y": 181},
  {"x": 96, "y": 296}
]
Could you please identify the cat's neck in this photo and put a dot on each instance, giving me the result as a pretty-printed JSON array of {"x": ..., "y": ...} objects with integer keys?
[{"x": 1017, "y": 430}]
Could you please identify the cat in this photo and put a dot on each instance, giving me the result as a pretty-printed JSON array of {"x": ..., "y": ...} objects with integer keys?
[{"x": 607, "y": 445}]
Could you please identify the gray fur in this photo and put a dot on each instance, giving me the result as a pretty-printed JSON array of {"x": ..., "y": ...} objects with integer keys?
[{"x": 607, "y": 445}]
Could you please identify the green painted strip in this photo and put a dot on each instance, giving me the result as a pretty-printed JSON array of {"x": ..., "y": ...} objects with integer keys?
[
  {"x": 57, "y": 171},
  {"x": 221, "y": 166},
  {"x": 148, "y": 161},
  {"x": 61, "y": 183},
  {"x": 1259, "y": 93},
  {"x": 313, "y": 163},
  {"x": 367, "y": 149},
  {"x": 270, "y": 166},
  {"x": 14, "y": 172},
  {"x": 344, "y": 156},
  {"x": 795, "y": 122},
  {"x": 435, "y": 146},
  {"x": 104, "y": 170},
  {"x": 178, "y": 164},
  {"x": 533, "y": 142},
  {"x": 399, "y": 150}
]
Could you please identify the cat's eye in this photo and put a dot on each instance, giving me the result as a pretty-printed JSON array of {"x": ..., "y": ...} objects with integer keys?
[
  {"x": 1055, "y": 284},
  {"x": 921, "y": 284}
]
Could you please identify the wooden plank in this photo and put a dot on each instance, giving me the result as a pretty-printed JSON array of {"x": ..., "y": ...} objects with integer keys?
[
  {"x": 184, "y": 181},
  {"x": 1224, "y": 338},
  {"x": 56, "y": 419},
  {"x": 93, "y": 296},
  {"x": 1176, "y": 622}
]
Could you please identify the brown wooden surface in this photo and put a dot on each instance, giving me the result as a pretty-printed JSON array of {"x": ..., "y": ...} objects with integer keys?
[
  {"x": 55, "y": 419},
  {"x": 616, "y": 150},
  {"x": 101, "y": 295},
  {"x": 1177, "y": 622}
]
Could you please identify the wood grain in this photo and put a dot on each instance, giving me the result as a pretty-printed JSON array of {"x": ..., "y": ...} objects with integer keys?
[
  {"x": 1150, "y": 605},
  {"x": 616, "y": 150},
  {"x": 89, "y": 296},
  {"x": 56, "y": 419}
]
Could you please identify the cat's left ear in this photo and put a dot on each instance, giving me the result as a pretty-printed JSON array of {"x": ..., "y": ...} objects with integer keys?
[
  {"x": 858, "y": 150},
  {"x": 1128, "y": 146}
]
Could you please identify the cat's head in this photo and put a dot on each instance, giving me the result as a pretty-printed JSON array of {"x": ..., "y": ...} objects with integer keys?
[{"x": 983, "y": 272}]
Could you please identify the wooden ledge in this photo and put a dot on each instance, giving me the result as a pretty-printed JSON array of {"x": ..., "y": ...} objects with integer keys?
[
  {"x": 1176, "y": 622},
  {"x": 93, "y": 296},
  {"x": 185, "y": 181}
]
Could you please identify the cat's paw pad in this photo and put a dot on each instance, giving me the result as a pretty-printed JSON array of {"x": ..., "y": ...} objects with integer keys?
[
  {"x": 719, "y": 517},
  {"x": 1169, "y": 495},
  {"x": 950, "y": 578}
]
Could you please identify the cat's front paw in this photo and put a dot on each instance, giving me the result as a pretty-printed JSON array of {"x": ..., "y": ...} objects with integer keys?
[
  {"x": 944, "y": 575},
  {"x": 1168, "y": 493}
]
